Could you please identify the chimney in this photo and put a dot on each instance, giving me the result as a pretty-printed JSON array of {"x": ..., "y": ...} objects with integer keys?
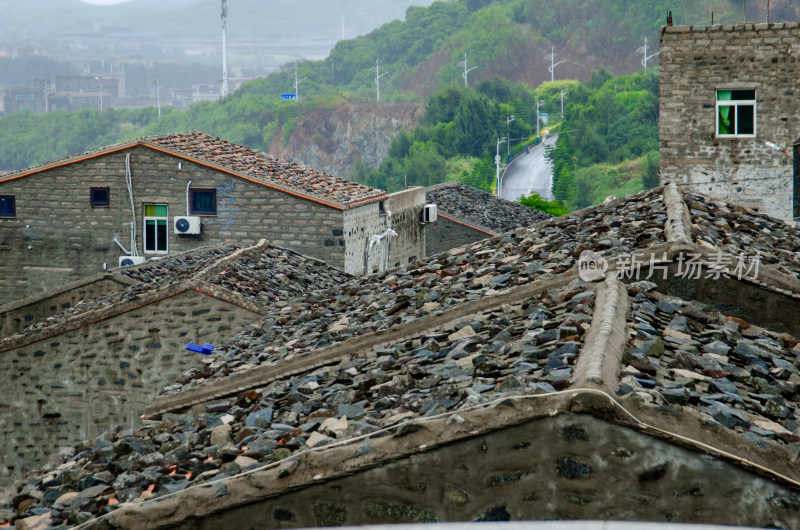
[{"x": 796, "y": 180}]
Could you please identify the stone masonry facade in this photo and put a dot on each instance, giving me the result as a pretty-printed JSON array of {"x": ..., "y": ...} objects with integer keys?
[
  {"x": 57, "y": 236},
  {"x": 16, "y": 316},
  {"x": 699, "y": 62},
  {"x": 445, "y": 234},
  {"x": 74, "y": 384}
]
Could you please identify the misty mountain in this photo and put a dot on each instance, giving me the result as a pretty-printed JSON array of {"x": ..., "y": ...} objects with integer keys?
[{"x": 45, "y": 22}]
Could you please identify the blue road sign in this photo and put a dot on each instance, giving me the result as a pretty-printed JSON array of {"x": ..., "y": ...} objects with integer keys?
[{"x": 287, "y": 97}]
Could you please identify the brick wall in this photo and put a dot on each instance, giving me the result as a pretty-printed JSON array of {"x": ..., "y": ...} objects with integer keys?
[
  {"x": 58, "y": 237},
  {"x": 446, "y": 234},
  {"x": 73, "y": 386},
  {"x": 698, "y": 60}
]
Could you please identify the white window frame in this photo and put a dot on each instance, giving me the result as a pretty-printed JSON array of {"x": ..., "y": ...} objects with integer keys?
[
  {"x": 155, "y": 219},
  {"x": 735, "y": 104}
]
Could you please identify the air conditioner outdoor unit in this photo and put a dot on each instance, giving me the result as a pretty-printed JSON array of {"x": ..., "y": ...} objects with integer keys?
[
  {"x": 429, "y": 214},
  {"x": 187, "y": 225},
  {"x": 125, "y": 261}
]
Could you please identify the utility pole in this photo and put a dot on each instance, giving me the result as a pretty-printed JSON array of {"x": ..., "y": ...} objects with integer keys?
[
  {"x": 466, "y": 71},
  {"x": 643, "y": 50},
  {"x": 553, "y": 64},
  {"x": 497, "y": 164},
  {"x": 342, "y": 27},
  {"x": 563, "y": 91},
  {"x": 378, "y": 76},
  {"x": 296, "y": 82},
  {"x": 158, "y": 96},
  {"x": 508, "y": 137},
  {"x": 538, "y": 104},
  {"x": 224, "y": 48}
]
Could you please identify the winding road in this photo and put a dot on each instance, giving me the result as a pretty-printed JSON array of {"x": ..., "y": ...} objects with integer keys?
[{"x": 530, "y": 172}]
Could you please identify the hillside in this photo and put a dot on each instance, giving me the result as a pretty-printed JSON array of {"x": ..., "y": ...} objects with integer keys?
[
  {"x": 505, "y": 40},
  {"x": 332, "y": 141}
]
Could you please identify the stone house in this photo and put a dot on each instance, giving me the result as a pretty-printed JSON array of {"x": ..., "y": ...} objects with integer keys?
[
  {"x": 487, "y": 383},
  {"x": 99, "y": 363},
  {"x": 467, "y": 214},
  {"x": 725, "y": 92},
  {"x": 156, "y": 196}
]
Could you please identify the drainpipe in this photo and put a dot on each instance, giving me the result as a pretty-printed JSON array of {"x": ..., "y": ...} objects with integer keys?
[{"x": 796, "y": 181}]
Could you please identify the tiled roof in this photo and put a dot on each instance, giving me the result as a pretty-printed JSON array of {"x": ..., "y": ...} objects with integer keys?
[
  {"x": 266, "y": 168},
  {"x": 244, "y": 162},
  {"x": 478, "y": 208}
]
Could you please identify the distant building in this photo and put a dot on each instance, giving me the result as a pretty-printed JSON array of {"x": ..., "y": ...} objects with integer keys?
[
  {"x": 725, "y": 92},
  {"x": 152, "y": 197},
  {"x": 20, "y": 98}
]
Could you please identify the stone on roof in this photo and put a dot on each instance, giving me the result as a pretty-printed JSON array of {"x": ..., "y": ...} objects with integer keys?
[
  {"x": 453, "y": 345},
  {"x": 476, "y": 207}
]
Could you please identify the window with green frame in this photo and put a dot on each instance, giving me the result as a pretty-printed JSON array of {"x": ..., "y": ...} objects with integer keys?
[
  {"x": 736, "y": 113},
  {"x": 155, "y": 236}
]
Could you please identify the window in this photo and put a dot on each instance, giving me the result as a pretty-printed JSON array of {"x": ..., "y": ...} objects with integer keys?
[
  {"x": 155, "y": 228},
  {"x": 8, "y": 207},
  {"x": 100, "y": 197},
  {"x": 203, "y": 201},
  {"x": 736, "y": 113}
]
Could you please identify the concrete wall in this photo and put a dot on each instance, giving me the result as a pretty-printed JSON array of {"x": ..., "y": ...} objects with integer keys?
[
  {"x": 58, "y": 237},
  {"x": 446, "y": 234},
  {"x": 697, "y": 61},
  {"x": 406, "y": 207},
  {"x": 362, "y": 223},
  {"x": 72, "y": 386},
  {"x": 16, "y": 316},
  {"x": 566, "y": 467}
]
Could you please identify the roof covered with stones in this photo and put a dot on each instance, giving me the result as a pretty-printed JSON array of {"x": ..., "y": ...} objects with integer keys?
[
  {"x": 264, "y": 275},
  {"x": 476, "y": 207},
  {"x": 242, "y": 161},
  {"x": 501, "y": 318}
]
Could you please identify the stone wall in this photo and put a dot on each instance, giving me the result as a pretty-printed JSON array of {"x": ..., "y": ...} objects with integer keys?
[
  {"x": 569, "y": 466},
  {"x": 58, "y": 237},
  {"x": 72, "y": 386},
  {"x": 16, "y": 316},
  {"x": 445, "y": 234},
  {"x": 696, "y": 61}
]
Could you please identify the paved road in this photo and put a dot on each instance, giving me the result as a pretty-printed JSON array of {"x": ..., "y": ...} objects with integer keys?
[{"x": 530, "y": 172}]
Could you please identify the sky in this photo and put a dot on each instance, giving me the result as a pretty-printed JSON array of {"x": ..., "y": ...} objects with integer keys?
[{"x": 104, "y": 2}]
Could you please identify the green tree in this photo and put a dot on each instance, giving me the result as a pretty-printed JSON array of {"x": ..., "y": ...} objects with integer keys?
[
  {"x": 424, "y": 166},
  {"x": 536, "y": 202}
]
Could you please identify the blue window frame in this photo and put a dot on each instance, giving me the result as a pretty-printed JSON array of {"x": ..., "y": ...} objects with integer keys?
[
  {"x": 8, "y": 206},
  {"x": 203, "y": 201}
]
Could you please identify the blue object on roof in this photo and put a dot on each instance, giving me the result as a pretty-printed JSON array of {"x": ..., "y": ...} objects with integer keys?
[{"x": 205, "y": 349}]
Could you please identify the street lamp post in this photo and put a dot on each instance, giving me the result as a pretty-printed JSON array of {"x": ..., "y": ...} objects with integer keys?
[
  {"x": 497, "y": 164},
  {"x": 538, "y": 104},
  {"x": 553, "y": 64},
  {"x": 378, "y": 76},
  {"x": 466, "y": 71},
  {"x": 296, "y": 82},
  {"x": 643, "y": 50},
  {"x": 509, "y": 119}
]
